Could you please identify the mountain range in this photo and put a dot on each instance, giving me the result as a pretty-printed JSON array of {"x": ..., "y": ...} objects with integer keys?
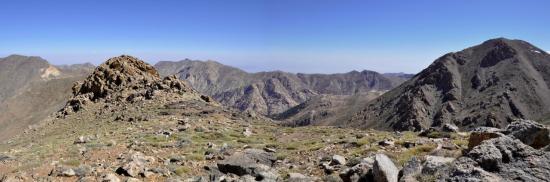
[
  {"x": 271, "y": 93},
  {"x": 125, "y": 121}
]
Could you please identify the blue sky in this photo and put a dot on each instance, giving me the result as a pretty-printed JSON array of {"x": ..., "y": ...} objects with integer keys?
[{"x": 259, "y": 35}]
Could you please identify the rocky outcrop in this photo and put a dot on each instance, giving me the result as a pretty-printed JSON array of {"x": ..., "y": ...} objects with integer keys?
[
  {"x": 505, "y": 158},
  {"x": 122, "y": 79},
  {"x": 498, "y": 155},
  {"x": 490, "y": 84}
]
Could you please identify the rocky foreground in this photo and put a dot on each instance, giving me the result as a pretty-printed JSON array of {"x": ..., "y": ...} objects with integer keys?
[{"x": 125, "y": 123}]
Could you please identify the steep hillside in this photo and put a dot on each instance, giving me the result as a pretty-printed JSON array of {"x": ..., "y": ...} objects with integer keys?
[
  {"x": 32, "y": 89},
  {"x": 486, "y": 85},
  {"x": 270, "y": 93}
]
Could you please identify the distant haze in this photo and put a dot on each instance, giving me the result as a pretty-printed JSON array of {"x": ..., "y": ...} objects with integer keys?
[{"x": 295, "y": 36}]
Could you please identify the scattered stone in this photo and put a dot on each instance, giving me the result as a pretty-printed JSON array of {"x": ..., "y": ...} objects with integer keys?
[
  {"x": 135, "y": 165},
  {"x": 62, "y": 171},
  {"x": 82, "y": 139},
  {"x": 4, "y": 158},
  {"x": 450, "y": 128},
  {"x": 110, "y": 177},
  {"x": 409, "y": 144},
  {"x": 272, "y": 150},
  {"x": 359, "y": 172},
  {"x": 83, "y": 170},
  {"x": 338, "y": 160},
  {"x": 386, "y": 143},
  {"x": 133, "y": 180},
  {"x": 410, "y": 170},
  {"x": 433, "y": 163},
  {"x": 247, "y": 132},
  {"x": 297, "y": 177},
  {"x": 384, "y": 170},
  {"x": 249, "y": 162}
]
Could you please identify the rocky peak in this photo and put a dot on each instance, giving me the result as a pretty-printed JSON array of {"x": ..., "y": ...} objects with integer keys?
[
  {"x": 116, "y": 74},
  {"x": 122, "y": 79}
]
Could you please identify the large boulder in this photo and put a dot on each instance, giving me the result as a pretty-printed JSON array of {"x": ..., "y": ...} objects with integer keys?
[
  {"x": 529, "y": 132},
  {"x": 503, "y": 157},
  {"x": 252, "y": 162},
  {"x": 481, "y": 134},
  {"x": 384, "y": 170},
  {"x": 433, "y": 163}
]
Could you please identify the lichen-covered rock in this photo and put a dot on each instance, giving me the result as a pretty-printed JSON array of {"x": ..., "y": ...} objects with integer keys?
[{"x": 529, "y": 132}]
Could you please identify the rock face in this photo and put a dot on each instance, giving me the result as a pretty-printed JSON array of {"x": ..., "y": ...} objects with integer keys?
[
  {"x": 270, "y": 93},
  {"x": 31, "y": 89},
  {"x": 505, "y": 155},
  {"x": 119, "y": 79},
  {"x": 490, "y": 84}
]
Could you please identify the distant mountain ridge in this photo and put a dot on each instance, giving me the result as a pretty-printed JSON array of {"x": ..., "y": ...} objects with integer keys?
[
  {"x": 271, "y": 93},
  {"x": 31, "y": 89}
]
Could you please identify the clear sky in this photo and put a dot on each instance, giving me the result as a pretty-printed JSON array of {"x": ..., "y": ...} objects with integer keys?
[{"x": 260, "y": 35}]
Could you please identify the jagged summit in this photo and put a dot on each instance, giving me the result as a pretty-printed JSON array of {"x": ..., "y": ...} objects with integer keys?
[
  {"x": 490, "y": 84},
  {"x": 122, "y": 78}
]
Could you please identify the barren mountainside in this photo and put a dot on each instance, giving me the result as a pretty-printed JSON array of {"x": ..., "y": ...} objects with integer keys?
[
  {"x": 31, "y": 89},
  {"x": 490, "y": 84},
  {"x": 273, "y": 92}
]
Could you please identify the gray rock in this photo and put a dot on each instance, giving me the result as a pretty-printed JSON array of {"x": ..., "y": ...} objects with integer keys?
[
  {"x": 4, "y": 158},
  {"x": 338, "y": 160},
  {"x": 135, "y": 165},
  {"x": 249, "y": 162},
  {"x": 297, "y": 177},
  {"x": 110, "y": 177},
  {"x": 247, "y": 132},
  {"x": 450, "y": 128},
  {"x": 384, "y": 170},
  {"x": 529, "y": 132},
  {"x": 481, "y": 134},
  {"x": 386, "y": 143},
  {"x": 133, "y": 180},
  {"x": 410, "y": 170},
  {"x": 359, "y": 172},
  {"x": 63, "y": 172},
  {"x": 83, "y": 170},
  {"x": 503, "y": 157},
  {"x": 434, "y": 163}
]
